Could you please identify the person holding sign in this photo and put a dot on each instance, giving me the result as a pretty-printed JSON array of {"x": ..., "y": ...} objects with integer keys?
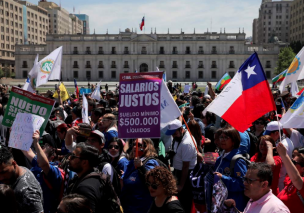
[
  {"x": 135, "y": 196},
  {"x": 27, "y": 189},
  {"x": 46, "y": 171}
]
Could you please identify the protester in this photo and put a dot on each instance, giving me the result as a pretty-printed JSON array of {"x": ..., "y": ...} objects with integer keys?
[
  {"x": 230, "y": 142},
  {"x": 162, "y": 186},
  {"x": 27, "y": 190},
  {"x": 293, "y": 193},
  {"x": 135, "y": 196},
  {"x": 74, "y": 203},
  {"x": 209, "y": 120},
  {"x": 7, "y": 199},
  {"x": 76, "y": 116},
  {"x": 184, "y": 160},
  {"x": 267, "y": 154},
  {"x": 109, "y": 127},
  {"x": 82, "y": 161},
  {"x": 272, "y": 130},
  {"x": 95, "y": 115},
  {"x": 259, "y": 127},
  {"x": 257, "y": 184},
  {"x": 196, "y": 133},
  {"x": 46, "y": 172}
]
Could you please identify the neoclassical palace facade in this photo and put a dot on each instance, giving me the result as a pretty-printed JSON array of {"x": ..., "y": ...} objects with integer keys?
[{"x": 184, "y": 57}]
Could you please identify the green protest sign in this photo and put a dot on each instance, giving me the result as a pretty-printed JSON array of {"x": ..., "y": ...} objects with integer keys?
[{"x": 27, "y": 102}]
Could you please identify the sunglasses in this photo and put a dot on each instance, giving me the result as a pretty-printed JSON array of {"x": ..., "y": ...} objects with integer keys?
[
  {"x": 140, "y": 145},
  {"x": 73, "y": 156},
  {"x": 297, "y": 163},
  {"x": 114, "y": 146},
  {"x": 153, "y": 185},
  {"x": 259, "y": 122},
  {"x": 249, "y": 181}
]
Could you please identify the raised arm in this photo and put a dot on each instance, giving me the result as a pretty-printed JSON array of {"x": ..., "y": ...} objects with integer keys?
[{"x": 42, "y": 160}]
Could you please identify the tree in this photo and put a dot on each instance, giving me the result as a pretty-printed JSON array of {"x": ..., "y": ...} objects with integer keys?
[
  {"x": 1, "y": 73},
  {"x": 286, "y": 56}
]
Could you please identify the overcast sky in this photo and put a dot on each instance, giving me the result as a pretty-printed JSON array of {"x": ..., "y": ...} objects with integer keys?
[{"x": 163, "y": 14}]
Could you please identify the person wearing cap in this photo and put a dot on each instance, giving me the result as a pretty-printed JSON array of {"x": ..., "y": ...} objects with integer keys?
[
  {"x": 46, "y": 170},
  {"x": 275, "y": 130},
  {"x": 61, "y": 133},
  {"x": 170, "y": 87},
  {"x": 184, "y": 160}
]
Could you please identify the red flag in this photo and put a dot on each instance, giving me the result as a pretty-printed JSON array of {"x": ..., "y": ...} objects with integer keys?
[{"x": 142, "y": 23}]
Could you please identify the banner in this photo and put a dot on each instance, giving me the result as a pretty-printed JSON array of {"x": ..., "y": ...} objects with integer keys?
[
  {"x": 64, "y": 95},
  {"x": 139, "y": 105},
  {"x": 23, "y": 128},
  {"x": 85, "y": 91},
  {"x": 84, "y": 110},
  {"x": 27, "y": 102},
  {"x": 96, "y": 93}
]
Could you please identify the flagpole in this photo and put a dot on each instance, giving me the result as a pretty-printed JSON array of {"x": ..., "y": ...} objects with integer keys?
[
  {"x": 279, "y": 125},
  {"x": 144, "y": 23},
  {"x": 190, "y": 134}
]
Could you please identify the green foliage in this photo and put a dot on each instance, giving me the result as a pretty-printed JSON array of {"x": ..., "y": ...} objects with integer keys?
[
  {"x": 296, "y": 46},
  {"x": 286, "y": 56},
  {"x": 1, "y": 73}
]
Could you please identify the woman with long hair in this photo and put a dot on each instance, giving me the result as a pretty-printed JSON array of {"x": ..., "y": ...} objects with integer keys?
[
  {"x": 259, "y": 127},
  {"x": 162, "y": 186},
  {"x": 135, "y": 196},
  {"x": 230, "y": 141},
  {"x": 266, "y": 153},
  {"x": 209, "y": 121},
  {"x": 196, "y": 133}
]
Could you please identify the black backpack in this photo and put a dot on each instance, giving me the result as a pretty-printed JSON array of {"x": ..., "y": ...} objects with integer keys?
[
  {"x": 245, "y": 157},
  {"x": 109, "y": 197},
  {"x": 116, "y": 178},
  {"x": 253, "y": 143}
]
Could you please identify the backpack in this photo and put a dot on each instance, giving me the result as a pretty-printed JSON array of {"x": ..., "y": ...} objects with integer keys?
[
  {"x": 253, "y": 143},
  {"x": 115, "y": 180},
  {"x": 160, "y": 163},
  {"x": 245, "y": 157},
  {"x": 109, "y": 197}
]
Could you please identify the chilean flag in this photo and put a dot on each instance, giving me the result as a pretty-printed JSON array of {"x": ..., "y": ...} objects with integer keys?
[
  {"x": 246, "y": 98},
  {"x": 142, "y": 23},
  {"x": 76, "y": 88}
]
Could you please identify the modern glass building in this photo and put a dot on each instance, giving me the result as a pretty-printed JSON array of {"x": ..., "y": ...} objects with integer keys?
[{"x": 86, "y": 24}]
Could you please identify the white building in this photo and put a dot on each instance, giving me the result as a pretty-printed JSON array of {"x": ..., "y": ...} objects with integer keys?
[{"x": 184, "y": 57}]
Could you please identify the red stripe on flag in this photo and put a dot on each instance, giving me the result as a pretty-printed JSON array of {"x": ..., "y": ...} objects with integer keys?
[
  {"x": 251, "y": 105},
  {"x": 225, "y": 83}
]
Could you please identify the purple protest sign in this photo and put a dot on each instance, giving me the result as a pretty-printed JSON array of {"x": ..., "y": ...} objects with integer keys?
[{"x": 139, "y": 105}]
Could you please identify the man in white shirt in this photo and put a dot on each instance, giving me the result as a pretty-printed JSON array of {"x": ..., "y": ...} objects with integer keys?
[{"x": 184, "y": 161}]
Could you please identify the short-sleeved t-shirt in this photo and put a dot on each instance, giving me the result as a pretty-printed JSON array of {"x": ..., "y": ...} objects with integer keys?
[
  {"x": 276, "y": 171},
  {"x": 28, "y": 193},
  {"x": 290, "y": 198},
  {"x": 185, "y": 152}
]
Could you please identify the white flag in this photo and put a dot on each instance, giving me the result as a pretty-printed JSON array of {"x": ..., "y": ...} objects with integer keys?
[
  {"x": 294, "y": 89},
  {"x": 49, "y": 67},
  {"x": 294, "y": 117},
  {"x": 96, "y": 93},
  {"x": 169, "y": 109},
  {"x": 295, "y": 71},
  {"x": 207, "y": 90},
  {"x": 27, "y": 86},
  {"x": 34, "y": 71},
  {"x": 84, "y": 111},
  {"x": 157, "y": 69}
]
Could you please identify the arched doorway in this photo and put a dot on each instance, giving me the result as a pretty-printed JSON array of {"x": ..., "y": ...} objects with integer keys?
[{"x": 143, "y": 68}]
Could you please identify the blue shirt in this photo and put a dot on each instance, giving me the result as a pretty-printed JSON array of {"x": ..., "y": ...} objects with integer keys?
[
  {"x": 135, "y": 196},
  {"x": 108, "y": 136},
  {"x": 233, "y": 182},
  {"x": 54, "y": 178},
  {"x": 122, "y": 164},
  {"x": 245, "y": 143}
]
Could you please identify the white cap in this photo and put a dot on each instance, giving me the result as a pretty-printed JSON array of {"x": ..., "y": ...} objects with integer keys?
[
  {"x": 272, "y": 126},
  {"x": 173, "y": 126}
]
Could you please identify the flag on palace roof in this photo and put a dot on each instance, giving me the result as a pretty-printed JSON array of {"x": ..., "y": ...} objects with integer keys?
[
  {"x": 223, "y": 81},
  {"x": 246, "y": 98},
  {"x": 279, "y": 78},
  {"x": 142, "y": 23},
  {"x": 295, "y": 71}
]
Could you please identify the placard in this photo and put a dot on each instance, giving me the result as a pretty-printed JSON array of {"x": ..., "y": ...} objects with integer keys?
[
  {"x": 139, "y": 105},
  {"x": 24, "y": 126}
]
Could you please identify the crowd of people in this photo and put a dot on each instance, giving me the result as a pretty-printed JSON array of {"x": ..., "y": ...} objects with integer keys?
[{"x": 76, "y": 167}]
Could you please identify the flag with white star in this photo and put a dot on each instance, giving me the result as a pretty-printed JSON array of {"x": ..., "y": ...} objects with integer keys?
[{"x": 246, "y": 98}]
